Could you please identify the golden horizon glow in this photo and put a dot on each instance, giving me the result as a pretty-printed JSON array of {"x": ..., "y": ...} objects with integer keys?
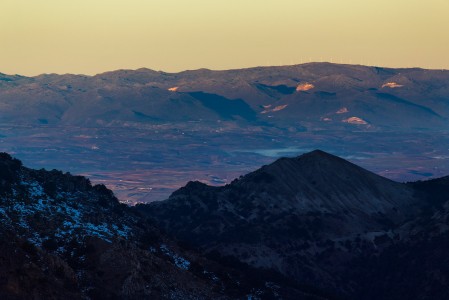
[{"x": 89, "y": 37}]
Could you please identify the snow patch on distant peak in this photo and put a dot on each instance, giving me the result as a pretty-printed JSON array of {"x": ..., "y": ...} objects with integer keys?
[
  {"x": 304, "y": 87},
  {"x": 392, "y": 85},
  {"x": 173, "y": 89},
  {"x": 277, "y": 108},
  {"x": 280, "y": 107},
  {"x": 355, "y": 120},
  {"x": 342, "y": 110}
]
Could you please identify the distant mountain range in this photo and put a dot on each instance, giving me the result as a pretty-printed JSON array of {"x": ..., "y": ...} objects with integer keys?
[
  {"x": 323, "y": 222},
  {"x": 145, "y": 133},
  {"x": 309, "y": 96}
]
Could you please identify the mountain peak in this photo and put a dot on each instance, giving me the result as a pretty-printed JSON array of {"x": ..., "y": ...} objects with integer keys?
[
  {"x": 319, "y": 181},
  {"x": 318, "y": 154},
  {"x": 312, "y": 214},
  {"x": 9, "y": 167},
  {"x": 314, "y": 163},
  {"x": 5, "y": 157}
]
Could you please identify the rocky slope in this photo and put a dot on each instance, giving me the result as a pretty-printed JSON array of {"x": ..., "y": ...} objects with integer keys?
[
  {"x": 322, "y": 221},
  {"x": 62, "y": 238}
]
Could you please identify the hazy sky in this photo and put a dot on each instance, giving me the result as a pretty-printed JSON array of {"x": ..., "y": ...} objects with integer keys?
[{"x": 93, "y": 36}]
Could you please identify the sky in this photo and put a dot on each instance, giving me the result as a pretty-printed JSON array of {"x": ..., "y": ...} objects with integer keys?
[{"x": 94, "y": 36}]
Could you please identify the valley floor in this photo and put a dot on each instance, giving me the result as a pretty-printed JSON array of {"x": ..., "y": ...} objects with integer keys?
[{"x": 147, "y": 162}]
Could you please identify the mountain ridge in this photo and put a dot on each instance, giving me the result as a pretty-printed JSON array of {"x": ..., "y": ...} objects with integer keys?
[
  {"x": 309, "y": 236},
  {"x": 331, "y": 87},
  {"x": 146, "y": 69},
  {"x": 62, "y": 237}
]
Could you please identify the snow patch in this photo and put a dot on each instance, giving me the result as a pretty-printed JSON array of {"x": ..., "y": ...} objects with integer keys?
[
  {"x": 355, "y": 120},
  {"x": 392, "y": 85},
  {"x": 211, "y": 276},
  {"x": 179, "y": 261},
  {"x": 68, "y": 208},
  {"x": 304, "y": 87},
  {"x": 342, "y": 110},
  {"x": 277, "y": 108}
]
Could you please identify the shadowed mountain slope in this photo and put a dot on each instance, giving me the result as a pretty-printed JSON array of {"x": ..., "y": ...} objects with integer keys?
[
  {"x": 316, "y": 182},
  {"x": 310, "y": 218}
]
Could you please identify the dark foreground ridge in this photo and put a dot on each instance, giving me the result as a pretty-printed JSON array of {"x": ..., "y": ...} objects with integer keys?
[
  {"x": 310, "y": 227},
  {"x": 62, "y": 238},
  {"x": 324, "y": 222}
]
